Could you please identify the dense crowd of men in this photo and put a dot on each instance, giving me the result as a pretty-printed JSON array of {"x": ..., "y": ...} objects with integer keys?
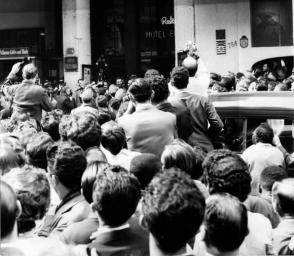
[{"x": 133, "y": 169}]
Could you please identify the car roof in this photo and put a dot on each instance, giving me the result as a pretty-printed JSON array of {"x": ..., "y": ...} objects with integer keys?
[{"x": 254, "y": 104}]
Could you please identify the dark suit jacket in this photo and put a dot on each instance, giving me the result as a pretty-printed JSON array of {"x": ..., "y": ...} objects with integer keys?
[
  {"x": 73, "y": 208},
  {"x": 202, "y": 114},
  {"x": 125, "y": 242},
  {"x": 32, "y": 99}
]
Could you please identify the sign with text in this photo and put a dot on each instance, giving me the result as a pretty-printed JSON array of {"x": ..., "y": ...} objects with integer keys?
[
  {"x": 71, "y": 64},
  {"x": 14, "y": 52},
  {"x": 221, "y": 47}
]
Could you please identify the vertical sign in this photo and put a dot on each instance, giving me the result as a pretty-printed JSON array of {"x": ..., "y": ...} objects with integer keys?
[{"x": 221, "y": 47}]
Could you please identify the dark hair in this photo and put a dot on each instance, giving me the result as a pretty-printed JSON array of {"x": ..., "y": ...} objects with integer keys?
[
  {"x": 8, "y": 209},
  {"x": 144, "y": 167},
  {"x": 160, "y": 88},
  {"x": 113, "y": 137},
  {"x": 115, "y": 103},
  {"x": 116, "y": 194},
  {"x": 151, "y": 73},
  {"x": 173, "y": 209},
  {"x": 84, "y": 130},
  {"x": 270, "y": 175},
  {"x": 261, "y": 87},
  {"x": 200, "y": 155},
  {"x": 263, "y": 133},
  {"x": 9, "y": 159},
  {"x": 226, "y": 172},
  {"x": 225, "y": 222},
  {"x": 103, "y": 116},
  {"x": 36, "y": 149},
  {"x": 50, "y": 123},
  {"x": 282, "y": 193},
  {"x": 179, "y": 77},
  {"x": 89, "y": 178},
  {"x": 101, "y": 101},
  {"x": 67, "y": 161},
  {"x": 33, "y": 192},
  {"x": 180, "y": 154},
  {"x": 141, "y": 90},
  {"x": 64, "y": 126}
]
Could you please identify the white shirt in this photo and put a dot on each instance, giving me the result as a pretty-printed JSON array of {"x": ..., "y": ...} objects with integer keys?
[{"x": 260, "y": 156}]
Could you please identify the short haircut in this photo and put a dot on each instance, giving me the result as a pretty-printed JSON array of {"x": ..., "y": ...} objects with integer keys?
[
  {"x": 29, "y": 71},
  {"x": 173, "y": 209},
  {"x": 225, "y": 223},
  {"x": 9, "y": 209},
  {"x": 283, "y": 197},
  {"x": 67, "y": 161},
  {"x": 113, "y": 137},
  {"x": 151, "y": 73},
  {"x": 141, "y": 90},
  {"x": 89, "y": 178},
  {"x": 9, "y": 159},
  {"x": 103, "y": 116},
  {"x": 116, "y": 194},
  {"x": 180, "y": 77},
  {"x": 270, "y": 175},
  {"x": 115, "y": 103},
  {"x": 226, "y": 172},
  {"x": 36, "y": 149},
  {"x": 33, "y": 191},
  {"x": 64, "y": 126},
  {"x": 101, "y": 101},
  {"x": 85, "y": 130},
  {"x": 181, "y": 155},
  {"x": 144, "y": 167},
  {"x": 263, "y": 133},
  {"x": 191, "y": 65},
  {"x": 50, "y": 123},
  {"x": 160, "y": 88}
]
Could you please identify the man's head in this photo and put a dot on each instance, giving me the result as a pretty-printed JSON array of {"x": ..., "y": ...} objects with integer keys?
[
  {"x": 226, "y": 172},
  {"x": 160, "y": 88},
  {"x": 9, "y": 209},
  {"x": 36, "y": 149},
  {"x": 173, "y": 209},
  {"x": 263, "y": 133},
  {"x": 140, "y": 90},
  {"x": 283, "y": 197},
  {"x": 84, "y": 130},
  {"x": 29, "y": 71},
  {"x": 88, "y": 96},
  {"x": 116, "y": 194},
  {"x": 66, "y": 164},
  {"x": 180, "y": 77},
  {"x": 270, "y": 175},
  {"x": 50, "y": 123},
  {"x": 191, "y": 65},
  {"x": 225, "y": 224},
  {"x": 151, "y": 73},
  {"x": 144, "y": 167}
]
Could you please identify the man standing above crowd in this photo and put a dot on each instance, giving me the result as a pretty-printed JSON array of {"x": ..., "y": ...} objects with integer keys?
[
  {"x": 202, "y": 112},
  {"x": 148, "y": 129}
]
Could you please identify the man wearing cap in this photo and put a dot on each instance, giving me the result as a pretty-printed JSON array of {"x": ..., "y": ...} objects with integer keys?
[
  {"x": 148, "y": 129},
  {"x": 202, "y": 112},
  {"x": 88, "y": 101}
]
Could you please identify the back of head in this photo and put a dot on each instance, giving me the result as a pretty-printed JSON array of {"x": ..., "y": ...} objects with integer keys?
[
  {"x": 89, "y": 177},
  {"x": 87, "y": 95},
  {"x": 116, "y": 194},
  {"x": 226, "y": 172},
  {"x": 281, "y": 87},
  {"x": 179, "y": 154},
  {"x": 36, "y": 149},
  {"x": 173, "y": 209},
  {"x": 33, "y": 191},
  {"x": 50, "y": 123},
  {"x": 191, "y": 65},
  {"x": 67, "y": 161},
  {"x": 283, "y": 197},
  {"x": 263, "y": 133},
  {"x": 9, "y": 159},
  {"x": 64, "y": 126},
  {"x": 9, "y": 209},
  {"x": 270, "y": 175},
  {"x": 29, "y": 71},
  {"x": 113, "y": 137},
  {"x": 144, "y": 167},
  {"x": 180, "y": 77},
  {"x": 225, "y": 223},
  {"x": 141, "y": 90},
  {"x": 151, "y": 73},
  {"x": 160, "y": 89},
  {"x": 84, "y": 130},
  {"x": 101, "y": 101}
]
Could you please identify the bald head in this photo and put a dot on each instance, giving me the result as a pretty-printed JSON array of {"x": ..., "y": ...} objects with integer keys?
[
  {"x": 191, "y": 64},
  {"x": 283, "y": 197}
]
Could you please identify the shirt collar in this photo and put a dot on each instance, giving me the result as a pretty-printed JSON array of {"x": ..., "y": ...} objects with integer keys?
[
  {"x": 144, "y": 106},
  {"x": 107, "y": 229}
]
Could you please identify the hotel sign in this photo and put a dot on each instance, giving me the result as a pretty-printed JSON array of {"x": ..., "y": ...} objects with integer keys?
[{"x": 14, "y": 52}]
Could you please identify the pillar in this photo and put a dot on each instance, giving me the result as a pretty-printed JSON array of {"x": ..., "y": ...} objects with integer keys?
[{"x": 76, "y": 35}]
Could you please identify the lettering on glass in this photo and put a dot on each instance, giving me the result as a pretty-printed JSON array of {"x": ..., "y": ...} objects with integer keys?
[{"x": 221, "y": 47}]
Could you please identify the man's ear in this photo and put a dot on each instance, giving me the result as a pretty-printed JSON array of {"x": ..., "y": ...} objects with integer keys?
[
  {"x": 55, "y": 180},
  {"x": 152, "y": 94},
  {"x": 18, "y": 209}
]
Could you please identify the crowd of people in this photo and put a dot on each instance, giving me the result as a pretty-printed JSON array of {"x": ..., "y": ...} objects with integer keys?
[{"x": 133, "y": 169}]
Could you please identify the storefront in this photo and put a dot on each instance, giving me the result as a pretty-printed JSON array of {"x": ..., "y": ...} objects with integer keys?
[{"x": 132, "y": 36}]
